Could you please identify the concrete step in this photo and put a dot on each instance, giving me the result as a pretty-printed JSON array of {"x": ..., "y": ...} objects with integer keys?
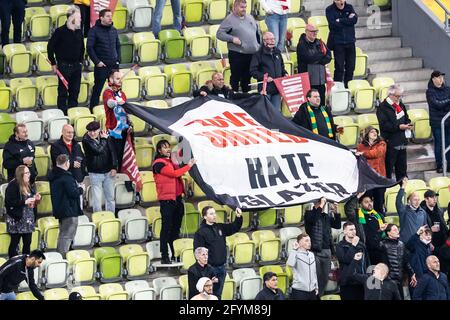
[
  {"x": 420, "y": 158},
  {"x": 316, "y": 5},
  {"x": 414, "y": 85},
  {"x": 379, "y": 43},
  {"x": 364, "y": 32},
  {"x": 420, "y": 166},
  {"x": 428, "y": 175},
  {"x": 408, "y": 75},
  {"x": 385, "y": 16},
  {"x": 395, "y": 65},
  {"x": 414, "y": 96},
  {"x": 417, "y": 105},
  {"x": 395, "y": 53}
]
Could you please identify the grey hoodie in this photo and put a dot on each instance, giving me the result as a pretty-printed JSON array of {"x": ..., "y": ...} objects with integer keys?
[
  {"x": 246, "y": 29},
  {"x": 303, "y": 265}
]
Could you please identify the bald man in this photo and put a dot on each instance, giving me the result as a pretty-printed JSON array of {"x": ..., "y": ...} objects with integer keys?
[
  {"x": 433, "y": 285},
  {"x": 268, "y": 60},
  {"x": 216, "y": 87},
  {"x": 69, "y": 146},
  {"x": 312, "y": 56}
]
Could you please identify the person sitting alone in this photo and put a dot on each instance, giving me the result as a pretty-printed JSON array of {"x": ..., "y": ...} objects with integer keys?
[{"x": 205, "y": 287}]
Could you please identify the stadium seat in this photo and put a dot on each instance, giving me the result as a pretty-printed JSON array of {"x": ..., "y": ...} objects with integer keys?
[
  {"x": 296, "y": 27},
  {"x": 34, "y": 125},
  {"x": 56, "y": 294},
  {"x": 248, "y": 283},
  {"x": 416, "y": 185},
  {"x": 132, "y": 84},
  {"x": 190, "y": 221},
  {"x": 247, "y": 222},
  {"x": 134, "y": 224},
  {"x": 154, "y": 253},
  {"x": 25, "y": 94},
  {"x": 361, "y": 70},
  {"x": 421, "y": 122},
  {"x": 441, "y": 185},
  {"x": 167, "y": 288},
  {"x": 221, "y": 211},
  {"x": 173, "y": 46},
  {"x": 27, "y": 295},
  {"x": 120, "y": 18},
  {"x": 381, "y": 84},
  {"x": 394, "y": 219},
  {"x": 364, "y": 95},
  {"x": 2, "y": 261},
  {"x": 49, "y": 227},
  {"x": 45, "y": 205},
  {"x": 18, "y": 60},
  {"x": 126, "y": 52},
  {"x": 389, "y": 199},
  {"x": 269, "y": 246},
  {"x": 35, "y": 241},
  {"x": 136, "y": 261},
  {"x": 148, "y": 192},
  {"x": 340, "y": 99},
  {"x": 48, "y": 91},
  {"x": 288, "y": 236},
  {"x": 5, "y": 239},
  {"x": 82, "y": 267},
  {"x": 59, "y": 14},
  {"x": 283, "y": 280},
  {"x": 216, "y": 11},
  {"x": 112, "y": 291},
  {"x": 351, "y": 131},
  {"x": 39, "y": 53},
  {"x": 292, "y": 215},
  {"x": 242, "y": 250},
  {"x": 53, "y": 270},
  {"x": 180, "y": 80},
  {"x": 184, "y": 283},
  {"x": 148, "y": 49},
  {"x": 6, "y": 96},
  {"x": 229, "y": 289},
  {"x": 181, "y": 244},
  {"x": 330, "y": 297},
  {"x": 140, "y": 290},
  {"x": 202, "y": 72},
  {"x": 155, "y": 82},
  {"x": 35, "y": 2},
  {"x": 296, "y": 8},
  {"x": 220, "y": 47},
  {"x": 38, "y": 23},
  {"x": 54, "y": 120},
  {"x": 367, "y": 119},
  {"x": 79, "y": 118},
  {"x": 267, "y": 218},
  {"x": 87, "y": 292},
  {"x": 288, "y": 64},
  {"x": 85, "y": 234},
  {"x": 109, "y": 229},
  {"x": 109, "y": 264},
  {"x": 199, "y": 43},
  {"x": 151, "y": 213},
  {"x": 193, "y": 12},
  {"x": 124, "y": 198},
  {"x": 321, "y": 23},
  {"x": 187, "y": 259},
  {"x": 144, "y": 156},
  {"x": 140, "y": 14}
]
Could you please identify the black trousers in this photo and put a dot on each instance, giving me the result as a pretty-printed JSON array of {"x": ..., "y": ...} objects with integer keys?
[
  {"x": 322, "y": 90},
  {"x": 172, "y": 212},
  {"x": 85, "y": 18},
  {"x": 68, "y": 98},
  {"x": 351, "y": 292},
  {"x": 303, "y": 295},
  {"x": 344, "y": 62},
  {"x": 119, "y": 146},
  {"x": 240, "y": 70},
  {"x": 378, "y": 198},
  {"x": 14, "y": 245},
  {"x": 16, "y": 9},
  {"x": 100, "y": 76},
  {"x": 396, "y": 161}
]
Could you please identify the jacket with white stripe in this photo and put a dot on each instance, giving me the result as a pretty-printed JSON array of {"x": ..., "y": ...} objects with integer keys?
[{"x": 303, "y": 264}]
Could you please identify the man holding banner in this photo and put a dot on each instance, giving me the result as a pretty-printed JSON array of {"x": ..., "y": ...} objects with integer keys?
[{"x": 268, "y": 60}]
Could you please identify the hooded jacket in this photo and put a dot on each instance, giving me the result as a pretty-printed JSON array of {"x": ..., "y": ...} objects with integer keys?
[
  {"x": 13, "y": 155},
  {"x": 318, "y": 226},
  {"x": 13, "y": 272},
  {"x": 396, "y": 258},
  {"x": 390, "y": 125},
  {"x": 436, "y": 215},
  {"x": 345, "y": 253},
  {"x": 270, "y": 62},
  {"x": 438, "y": 103},
  {"x": 342, "y": 32},
  {"x": 59, "y": 147},
  {"x": 429, "y": 287},
  {"x": 375, "y": 154},
  {"x": 65, "y": 194},
  {"x": 103, "y": 44},
  {"x": 303, "y": 264},
  {"x": 410, "y": 219},
  {"x": 213, "y": 237},
  {"x": 418, "y": 254},
  {"x": 100, "y": 155}
]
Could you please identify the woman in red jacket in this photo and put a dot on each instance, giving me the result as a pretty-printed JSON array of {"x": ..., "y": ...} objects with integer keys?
[
  {"x": 169, "y": 189},
  {"x": 373, "y": 148}
]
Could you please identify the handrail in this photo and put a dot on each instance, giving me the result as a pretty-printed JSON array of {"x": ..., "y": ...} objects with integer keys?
[
  {"x": 444, "y": 149},
  {"x": 447, "y": 14}
]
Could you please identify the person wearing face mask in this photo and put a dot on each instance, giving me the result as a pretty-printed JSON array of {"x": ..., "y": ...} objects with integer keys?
[
  {"x": 66, "y": 53},
  {"x": 412, "y": 216},
  {"x": 268, "y": 60}
]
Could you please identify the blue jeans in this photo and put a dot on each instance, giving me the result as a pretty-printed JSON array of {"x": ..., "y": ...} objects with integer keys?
[
  {"x": 275, "y": 100},
  {"x": 8, "y": 296},
  {"x": 157, "y": 15},
  {"x": 437, "y": 135},
  {"x": 220, "y": 273},
  {"x": 277, "y": 24},
  {"x": 102, "y": 182}
]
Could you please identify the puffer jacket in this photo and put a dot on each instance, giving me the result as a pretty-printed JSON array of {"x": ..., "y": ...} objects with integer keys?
[
  {"x": 395, "y": 256},
  {"x": 100, "y": 155},
  {"x": 103, "y": 44},
  {"x": 318, "y": 226},
  {"x": 438, "y": 103}
]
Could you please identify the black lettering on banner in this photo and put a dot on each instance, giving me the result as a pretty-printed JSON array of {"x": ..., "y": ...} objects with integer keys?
[
  {"x": 290, "y": 160},
  {"x": 264, "y": 198},
  {"x": 306, "y": 165},
  {"x": 321, "y": 187},
  {"x": 255, "y": 173},
  {"x": 275, "y": 172},
  {"x": 288, "y": 195},
  {"x": 251, "y": 201},
  {"x": 339, "y": 189}
]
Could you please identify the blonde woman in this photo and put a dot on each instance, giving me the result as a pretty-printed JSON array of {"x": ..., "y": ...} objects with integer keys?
[{"x": 20, "y": 202}]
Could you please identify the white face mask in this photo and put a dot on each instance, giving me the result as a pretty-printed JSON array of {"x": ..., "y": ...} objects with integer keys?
[{"x": 425, "y": 241}]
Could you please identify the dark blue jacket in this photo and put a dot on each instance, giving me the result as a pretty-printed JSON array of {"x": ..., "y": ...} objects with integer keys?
[
  {"x": 342, "y": 32},
  {"x": 431, "y": 288},
  {"x": 438, "y": 103},
  {"x": 419, "y": 253},
  {"x": 65, "y": 194},
  {"x": 103, "y": 44}
]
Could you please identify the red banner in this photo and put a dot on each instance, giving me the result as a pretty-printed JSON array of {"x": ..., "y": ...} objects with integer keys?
[
  {"x": 330, "y": 82},
  {"x": 98, "y": 5},
  {"x": 293, "y": 90},
  {"x": 129, "y": 165}
]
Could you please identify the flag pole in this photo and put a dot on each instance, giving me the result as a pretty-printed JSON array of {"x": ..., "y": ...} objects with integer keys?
[{"x": 58, "y": 73}]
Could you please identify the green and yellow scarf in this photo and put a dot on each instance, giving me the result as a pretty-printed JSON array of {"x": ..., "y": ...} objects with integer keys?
[
  {"x": 362, "y": 217},
  {"x": 314, "y": 120}
]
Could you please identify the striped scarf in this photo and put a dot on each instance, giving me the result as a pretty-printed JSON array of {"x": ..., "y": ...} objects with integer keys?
[
  {"x": 314, "y": 120},
  {"x": 362, "y": 217}
]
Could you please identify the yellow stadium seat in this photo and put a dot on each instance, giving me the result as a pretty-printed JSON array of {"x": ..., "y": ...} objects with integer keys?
[
  {"x": 296, "y": 27},
  {"x": 87, "y": 292},
  {"x": 56, "y": 294},
  {"x": 112, "y": 291},
  {"x": 82, "y": 266},
  {"x": 321, "y": 23},
  {"x": 148, "y": 48},
  {"x": 421, "y": 122},
  {"x": 136, "y": 261},
  {"x": 351, "y": 131},
  {"x": 381, "y": 84},
  {"x": 441, "y": 185},
  {"x": 155, "y": 82},
  {"x": 363, "y": 94}
]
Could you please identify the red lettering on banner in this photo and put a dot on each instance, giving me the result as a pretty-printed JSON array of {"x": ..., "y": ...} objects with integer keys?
[
  {"x": 230, "y": 119},
  {"x": 292, "y": 89}
]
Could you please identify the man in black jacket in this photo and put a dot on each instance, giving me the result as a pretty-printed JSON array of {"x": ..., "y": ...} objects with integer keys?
[
  {"x": 318, "y": 226},
  {"x": 434, "y": 284},
  {"x": 101, "y": 162},
  {"x": 211, "y": 235},
  {"x": 198, "y": 270},
  {"x": 103, "y": 48},
  {"x": 17, "y": 269},
  {"x": 341, "y": 20},
  {"x": 68, "y": 45},
  {"x": 66, "y": 205},
  {"x": 435, "y": 220},
  {"x": 345, "y": 253},
  {"x": 395, "y": 128},
  {"x": 438, "y": 98},
  {"x": 268, "y": 60},
  {"x": 19, "y": 150},
  {"x": 270, "y": 290},
  {"x": 217, "y": 87},
  {"x": 69, "y": 146},
  {"x": 312, "y": 56}
]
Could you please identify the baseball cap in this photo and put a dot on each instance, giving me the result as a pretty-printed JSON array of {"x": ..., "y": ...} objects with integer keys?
[{"x": 437, "y": 73}]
